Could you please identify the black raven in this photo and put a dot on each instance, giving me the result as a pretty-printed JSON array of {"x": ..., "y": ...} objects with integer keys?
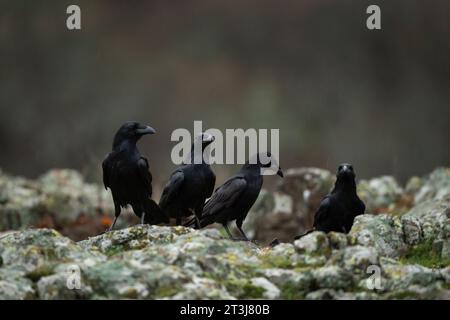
[
  {"x": 232, "y": 200},
  {"x": 126, "y": 173},
  {"x": 339, "y": 208},
  {"x": 190, "y": 184}
]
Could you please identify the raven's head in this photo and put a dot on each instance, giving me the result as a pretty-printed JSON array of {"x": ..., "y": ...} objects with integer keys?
[
  {"x": 197, "y": 155},
  {"x": 131, "y": 131},
  {"x": 345, "y": 172},
  {"x": 266, "y": 160},
  {"x": 204, "y": 139}
]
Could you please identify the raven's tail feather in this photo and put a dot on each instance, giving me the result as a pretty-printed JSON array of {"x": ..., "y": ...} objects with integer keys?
[
  {"x": 304, "y": 234},
  {"x": 154, "y": 214}
]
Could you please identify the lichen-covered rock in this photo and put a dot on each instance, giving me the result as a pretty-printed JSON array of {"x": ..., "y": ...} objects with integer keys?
[
  {"x": 59, "y": 199},
  {"x": 355, "y": 258},
  {"x": 433, "y": 216},
  {"x": 435, "y": 186},
  {"x": 13, "y": 286},
  {"x": 409, "y": 254},
  {"x": 383, "y": 232},
  {"x": 333, "y": 277},
  {"x": 37, "y": 252},
  {"x": 337, "y": 240},
  {"x": 401, "y": 277},
  {"x": 314, "y": 243},
  {"x": 271, "y": 291},
  {"x": 379, "y": 194},
  {"x": 203, "y": 288},
  {"x": 412, "y": 230}
]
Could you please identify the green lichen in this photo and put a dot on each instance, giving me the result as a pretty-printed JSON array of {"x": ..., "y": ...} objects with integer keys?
[
  {"x": 423, "y": 254},
  {"x": 166, "y": 291},
  {"x": 276, "y": 261},
  {"x": 291, "y": 292},
  {"x": 243, "y": 289},
  {"x": 40, "y": 272},
  {"x": 113, "y": 250}
]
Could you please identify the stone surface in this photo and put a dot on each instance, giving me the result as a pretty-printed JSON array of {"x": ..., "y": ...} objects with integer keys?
[
  {"x": 380, "y": 194},
  {"x": 407, "y": 254},
  {"x": 382, "y": 231},
  {"x": 59, "y": 199}
]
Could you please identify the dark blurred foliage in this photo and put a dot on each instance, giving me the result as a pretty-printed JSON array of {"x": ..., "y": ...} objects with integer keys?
[{"x": 337, "y": 91}]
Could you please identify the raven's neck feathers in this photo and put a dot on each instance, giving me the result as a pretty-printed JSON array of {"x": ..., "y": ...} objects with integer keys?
[
  {"x": 251, "y": 169},
  {"x": 346, "y": 185},
  {"x": 123, "y": 144},
  {"x": 196, "y": 157}
]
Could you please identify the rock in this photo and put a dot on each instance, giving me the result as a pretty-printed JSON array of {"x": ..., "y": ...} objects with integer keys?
[
  {"x": 283, "y": 277},
  {"x": 13, "y": 286},
  {"x": 411, "y": 252},
  {"x": 383, "y": 232},
  {"x": 337, "y": 240},
  {"x": 445, "y": 252},
  {"x": 434, "y": 291},
  {"x": 54, "y": 287},
  {"x": 36, "y": 252},
  {"x": 355, "y": 259},
  {"x": 203, "y": 288},
  {"x": 435, "y": 186},
  {"x": 59, "y": 199},
  {"x": 332, "y": 277},
  {"x": 412, "y": 230},
  {"x": 379, "y": 194},
  {"x": 433, "y": 217},
  {"x": 270, "y": 290},
  {"x": 313, "y": 243},
  {"x": 401, "y": 277},
  {"x": 322, "y": 294}
]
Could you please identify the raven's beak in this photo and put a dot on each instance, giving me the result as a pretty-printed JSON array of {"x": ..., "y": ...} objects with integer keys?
[
  {"x": 145, "y": 130},
  {"x": 280, "y": 173},
  {"x": 345, "y": 169},
  {"x": 208, "y": 138}
]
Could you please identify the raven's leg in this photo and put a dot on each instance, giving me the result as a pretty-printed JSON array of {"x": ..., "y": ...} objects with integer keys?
[
  {"x": 228, "y": 230},
  {"x": 117, "y": 214},
  {"x": 198, "y": 214},
  {"x": 239, "y": 226},
  {"x": 143, "y": 218},
  {"x": 197, "y": 222},
  {"x": 112, "y": 225}
]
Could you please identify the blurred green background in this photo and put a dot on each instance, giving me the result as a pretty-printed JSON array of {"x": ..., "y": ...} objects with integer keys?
[{"x": 337, "y": 91}]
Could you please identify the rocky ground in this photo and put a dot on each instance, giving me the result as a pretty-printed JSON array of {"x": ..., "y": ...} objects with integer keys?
[{"x": 400, "y": 249}]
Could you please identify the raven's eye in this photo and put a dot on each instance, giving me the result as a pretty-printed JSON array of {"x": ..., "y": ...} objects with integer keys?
[
  {"x": 350, "y": 167},
  {"x": 340, "y": 168}
]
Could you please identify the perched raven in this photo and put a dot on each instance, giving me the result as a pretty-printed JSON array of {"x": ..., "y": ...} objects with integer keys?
[
  {"x": 190, "y": 184},
  {"x": 127, "y": 174},
  {"x": 339, "y": 208},
  {"x": 232, "y": 200}
]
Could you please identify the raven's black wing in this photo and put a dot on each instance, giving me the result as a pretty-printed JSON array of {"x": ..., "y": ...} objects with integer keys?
[
  {"x": 144, "y": 174},
  {"x": 362, "y": 207},
  {"x": 212, "y": 183},
  {"x": 172, "y": 188},
  {"x": 106, "y": 172},
  {"x": 225, "y": 196},
  {"x": 321, "y": 214}
]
